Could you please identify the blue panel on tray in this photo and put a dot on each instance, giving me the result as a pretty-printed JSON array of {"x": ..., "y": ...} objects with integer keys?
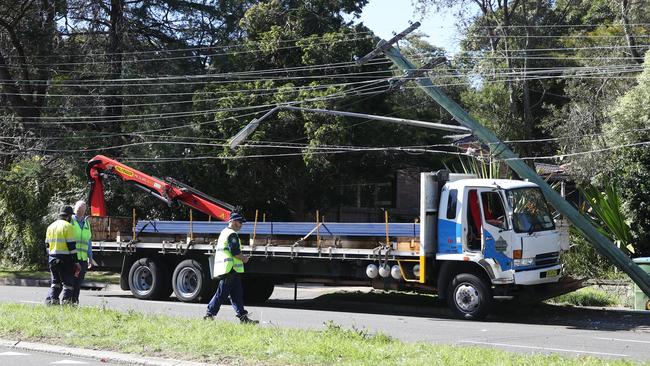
[{"x": 283, "y": 228}]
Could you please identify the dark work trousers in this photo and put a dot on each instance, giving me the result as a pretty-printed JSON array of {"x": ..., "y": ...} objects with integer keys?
[
  {"x": 77, "y": 281},
  {"x": 229, "y": 284},
  {"x": 61, "y": 273}
]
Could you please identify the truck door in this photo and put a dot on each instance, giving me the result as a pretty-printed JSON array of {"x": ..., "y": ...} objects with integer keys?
[
  {"x": 534, "y": 228},
  {"x": 495, "y": 231}
]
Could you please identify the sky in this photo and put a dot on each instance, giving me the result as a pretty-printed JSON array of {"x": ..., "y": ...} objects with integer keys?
[{"x": 387, "y": 16}]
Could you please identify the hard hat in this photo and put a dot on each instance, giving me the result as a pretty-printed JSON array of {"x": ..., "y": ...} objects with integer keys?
[
  {"x": 236, "y": 217},
  {"x": 66, "y": 211}
]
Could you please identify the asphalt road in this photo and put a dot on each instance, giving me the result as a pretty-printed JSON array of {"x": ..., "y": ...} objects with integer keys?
[
  {"x": 411, "y": 318},
  {"x": 9, "y": 356}
]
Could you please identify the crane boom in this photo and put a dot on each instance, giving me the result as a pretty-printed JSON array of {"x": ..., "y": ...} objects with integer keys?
[{"x": 168, "y": 190}]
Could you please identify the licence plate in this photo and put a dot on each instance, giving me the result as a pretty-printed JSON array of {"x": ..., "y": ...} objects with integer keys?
[{"x": 551, "y": 273}]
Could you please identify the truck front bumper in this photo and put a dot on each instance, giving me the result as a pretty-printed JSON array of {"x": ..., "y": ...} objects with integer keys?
[{"x": 537, "y": 276}]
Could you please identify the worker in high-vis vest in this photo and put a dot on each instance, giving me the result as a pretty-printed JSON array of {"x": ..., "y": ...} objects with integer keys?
[
  {"x": 228, "y": 267},
  {"x": 83, "y": 235},
  {"x": 62, "y": 257}
]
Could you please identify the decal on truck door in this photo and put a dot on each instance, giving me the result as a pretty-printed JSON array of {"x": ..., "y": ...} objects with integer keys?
[{"x": 490, "y": 251}]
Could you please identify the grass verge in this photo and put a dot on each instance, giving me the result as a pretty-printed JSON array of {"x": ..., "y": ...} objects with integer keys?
[
  {"x": 588, "y": 297},
  {"x": 235, "y": 344}
]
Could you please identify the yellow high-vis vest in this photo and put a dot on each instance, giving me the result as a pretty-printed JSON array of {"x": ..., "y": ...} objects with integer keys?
[
  {"x": 224, "y": 261},
  {"x": 82, "y": 236},
  {"x": 59, "y": 234}
]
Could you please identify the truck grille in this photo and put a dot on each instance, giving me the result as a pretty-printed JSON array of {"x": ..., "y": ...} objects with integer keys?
[{"x": 547, "y": 259}]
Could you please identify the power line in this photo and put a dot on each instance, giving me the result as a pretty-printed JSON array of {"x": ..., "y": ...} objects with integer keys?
[
  {"x": 266, "y": 156},
  {"x": 192, "y": 93},
  {"x": 223, "y": 75},
  {"x": 359, "y": 91},
  {"x": 529, "y": 50},
  {"x": 142, "y": 133},
  {"x": 457, "y": 73},
  {"x": 496, "y": 27},
  {"x": 579, "y": 36},
  {"x": 493, "y": 78},
  {"x": 270, "y": 91},
  {"x": 550, "y": 139},
  {"x": 232, "y": 45},
  {"x": 559, "y": 156},
  {"x": 329, "y": 42},
  {"x": 467, "y": 54},
  {"x": 306, "y": 147}
]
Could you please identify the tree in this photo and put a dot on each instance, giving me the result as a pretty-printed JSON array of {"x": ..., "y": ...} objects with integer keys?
[
  {"x": 604, "y": 62},
  {"x": 27, "y": 36},
  {"x": 499, "y": 50},
  {"x": 627, "y": 133}
]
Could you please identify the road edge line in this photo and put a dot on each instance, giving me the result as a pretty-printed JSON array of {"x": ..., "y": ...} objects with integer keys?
[{"x": 105, "y": 356}]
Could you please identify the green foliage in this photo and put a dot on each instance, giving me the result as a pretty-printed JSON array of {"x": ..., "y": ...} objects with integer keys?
[
  {"x": 482, "y": 168},
  {"x": 487, "y": 104},
  {"x": 588, "y": 297},
  {"x": 627, "y": 131},
  {"x": 606, "y": 207},
  {"x": 583, "y": 261},
  {"x": 238, "y": 58},
  {"x": 26, "y": 191},
  {"x": 303, "y": 177}
]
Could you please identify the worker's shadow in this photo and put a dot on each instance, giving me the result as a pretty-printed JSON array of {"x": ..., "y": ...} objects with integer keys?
[{"x": 434, "y": 308}]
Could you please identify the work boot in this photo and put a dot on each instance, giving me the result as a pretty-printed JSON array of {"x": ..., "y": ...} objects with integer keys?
[{"x": 246, "y": 320}]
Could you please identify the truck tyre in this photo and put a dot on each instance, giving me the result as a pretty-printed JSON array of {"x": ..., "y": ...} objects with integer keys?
[
  {"x": 149, "y": 279},
  {"x": 257, "y": 289},
  {"x": 469, "y": 297},
  {"x": 191, "y": 283}
]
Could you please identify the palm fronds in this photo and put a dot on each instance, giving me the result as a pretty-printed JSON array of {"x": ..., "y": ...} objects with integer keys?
[{"x": 606, "y": 209}]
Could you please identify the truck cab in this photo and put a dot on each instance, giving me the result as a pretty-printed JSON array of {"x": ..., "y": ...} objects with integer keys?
[{"x": 495, "y": 234}]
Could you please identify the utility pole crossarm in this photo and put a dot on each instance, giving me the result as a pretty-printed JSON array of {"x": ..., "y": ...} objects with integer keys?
[
  {"x": 386, "y": 44},
  {"x": 411, "y": 122},
  {"x": 500, "y": 150},
  {"x": 252, "y": 125}
]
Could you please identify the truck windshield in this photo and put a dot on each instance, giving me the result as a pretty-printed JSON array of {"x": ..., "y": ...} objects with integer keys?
[{"x": 530, "y": 212}]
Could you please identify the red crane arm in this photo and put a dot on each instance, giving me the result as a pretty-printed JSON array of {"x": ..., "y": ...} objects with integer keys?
[{"x": 168, "y": 190}]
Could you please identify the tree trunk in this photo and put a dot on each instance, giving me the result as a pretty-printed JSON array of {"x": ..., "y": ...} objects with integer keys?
[
  {"x": 512, "y": 105},
  {"x": 115, "y": 49},
  {"x": 23, "y": 107},
  {"x": 629, "y": 37},
  {"x": 46, "y": 48},
  {"x": 528, "y": 120}
]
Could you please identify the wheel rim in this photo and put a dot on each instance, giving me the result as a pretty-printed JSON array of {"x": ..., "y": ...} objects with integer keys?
[
  {"x": 467, "y": 298},
  {"x": 142, "y": 280},
  {"x": 187, "y": 282}
]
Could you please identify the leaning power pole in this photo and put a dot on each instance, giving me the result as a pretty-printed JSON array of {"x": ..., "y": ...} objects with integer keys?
[{"x": 500, "y": 150}]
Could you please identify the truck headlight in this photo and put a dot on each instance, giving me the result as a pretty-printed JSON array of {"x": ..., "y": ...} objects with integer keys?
[{"x": 524, "y": 262}]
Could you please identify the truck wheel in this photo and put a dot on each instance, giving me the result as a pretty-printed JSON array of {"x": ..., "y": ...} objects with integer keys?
[
  {"x": 149, "y": 279},
  {"x": 469, "y": 297},
  {"x": 190, "y": 281},
  {"x": 257, "y": 290}
]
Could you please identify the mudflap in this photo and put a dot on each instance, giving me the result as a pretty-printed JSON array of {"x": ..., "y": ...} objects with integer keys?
[
  {"x": 545, "y": 291},
  {"x": 127, "y": 261}
]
